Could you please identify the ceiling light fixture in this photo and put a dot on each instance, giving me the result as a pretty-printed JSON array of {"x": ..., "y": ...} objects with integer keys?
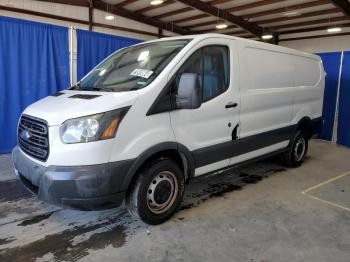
[
  {"x": 267, "y": 37},
  {"x": 221, "y": 26},
  {"x": 109, "y": 17},
  {"x": 157, "y": 2},
  {"x": 334, "y": 29},
  {"x": 291, "y": 13}
]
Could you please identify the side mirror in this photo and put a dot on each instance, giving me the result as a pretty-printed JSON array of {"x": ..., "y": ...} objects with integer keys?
[{"x": 188, "y": 92}]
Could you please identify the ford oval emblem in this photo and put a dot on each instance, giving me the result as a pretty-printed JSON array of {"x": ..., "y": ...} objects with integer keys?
[{"x": 25, "y": 135}]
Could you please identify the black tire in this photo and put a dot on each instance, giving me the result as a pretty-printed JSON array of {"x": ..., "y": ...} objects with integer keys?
[
  {"x": 297, "y": 150},
  {"x": 142, "y": 203}
]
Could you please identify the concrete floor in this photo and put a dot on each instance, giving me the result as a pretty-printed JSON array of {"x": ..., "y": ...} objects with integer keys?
[{"x": 261, "y": 212}]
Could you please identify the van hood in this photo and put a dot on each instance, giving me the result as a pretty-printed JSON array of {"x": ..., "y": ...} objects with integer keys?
[{"x": 67, "y": 104}]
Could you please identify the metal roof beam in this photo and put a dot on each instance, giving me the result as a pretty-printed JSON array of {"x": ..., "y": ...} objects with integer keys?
[{"x": 224, "y": 15}]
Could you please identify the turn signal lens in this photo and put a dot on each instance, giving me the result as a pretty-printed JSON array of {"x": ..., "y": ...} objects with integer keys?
[{"x": 111, "y": 129}]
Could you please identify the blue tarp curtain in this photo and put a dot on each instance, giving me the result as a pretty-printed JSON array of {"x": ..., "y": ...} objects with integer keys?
[
  {"x": 94, "y": 47},
  {"x": 343, "y": 133},
  {"x": 34, "y": 62},
  {"x": 331, "y": 64}
]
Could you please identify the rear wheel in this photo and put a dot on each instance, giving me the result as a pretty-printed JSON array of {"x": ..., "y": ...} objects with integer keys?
[
  {"x": 295, "y": 155},
  {"x": 157, "y": 192}
]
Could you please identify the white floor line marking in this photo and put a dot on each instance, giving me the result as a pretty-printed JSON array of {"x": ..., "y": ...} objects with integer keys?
[
  {"x": 305, "y": 192},
  {"x": 326, "y": 182},
  {"x": 327, "y": 202}
]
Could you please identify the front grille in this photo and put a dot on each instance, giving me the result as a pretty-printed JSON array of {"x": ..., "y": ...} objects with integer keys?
[{"x": 33, "y": 137}]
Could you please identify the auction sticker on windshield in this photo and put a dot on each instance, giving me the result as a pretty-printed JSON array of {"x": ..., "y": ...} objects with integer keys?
[{"x": 144, "y": 73}]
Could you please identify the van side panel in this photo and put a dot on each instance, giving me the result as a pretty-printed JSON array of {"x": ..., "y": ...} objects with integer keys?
[
  {"x": 274, "y": 87},
  {"x": 278, "y": 88},
  {"x": 266, "y": 89}
]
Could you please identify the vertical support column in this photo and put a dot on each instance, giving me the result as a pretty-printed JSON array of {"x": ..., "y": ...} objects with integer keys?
[
  {"x": 275, "y": 39},
  {"x": 336, "y": 113},
  {"x": 160, "y": 32},
  {"x": 71, "y": 55},
  {"x": 91, "y": 13}
]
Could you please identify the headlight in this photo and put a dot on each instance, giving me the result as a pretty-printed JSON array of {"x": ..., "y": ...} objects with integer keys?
[{"x": 92, "y": 128}]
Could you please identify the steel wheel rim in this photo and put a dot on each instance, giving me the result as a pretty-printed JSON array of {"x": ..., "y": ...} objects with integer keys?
[
  {"x": 299, "y": 149},
  {"x": 162, "y": 192}
]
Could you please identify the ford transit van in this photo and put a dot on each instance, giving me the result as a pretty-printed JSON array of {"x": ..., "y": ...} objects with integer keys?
[{"x": 152, "y": 116}]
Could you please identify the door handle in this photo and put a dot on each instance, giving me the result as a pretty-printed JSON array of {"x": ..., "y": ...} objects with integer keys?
[{"x": 231, "y": 105}]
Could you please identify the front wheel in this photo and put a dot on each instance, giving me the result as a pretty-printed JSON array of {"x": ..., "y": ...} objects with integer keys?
[
  {"x": 157, "y": 192},
  {"x": 295, "y": 155}
]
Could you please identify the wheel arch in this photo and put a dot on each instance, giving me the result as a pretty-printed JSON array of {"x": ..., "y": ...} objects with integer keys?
[
  {"x": 305, "y": 125},
  {"x": 172, "y": 150}
]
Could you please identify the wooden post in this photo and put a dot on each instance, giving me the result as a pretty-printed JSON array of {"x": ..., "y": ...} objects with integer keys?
[
  {"x": 160, "y": 32},
  {"x": 275, "y": 39},
  {"x": 91, "y": 13}
]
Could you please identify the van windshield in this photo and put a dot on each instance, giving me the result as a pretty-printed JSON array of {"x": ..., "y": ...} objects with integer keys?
[{"x": 131, "y": 68}]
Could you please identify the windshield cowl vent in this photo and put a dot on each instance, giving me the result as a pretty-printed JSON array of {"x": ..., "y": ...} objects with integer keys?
[{"x": 82, "y": 96}]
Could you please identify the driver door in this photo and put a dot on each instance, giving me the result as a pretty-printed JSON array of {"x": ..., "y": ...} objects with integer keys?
[{"x": 208, "y": 131}]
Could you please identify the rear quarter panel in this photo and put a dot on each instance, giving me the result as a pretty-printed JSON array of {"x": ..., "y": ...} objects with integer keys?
[{"x": 309, "y": 88}]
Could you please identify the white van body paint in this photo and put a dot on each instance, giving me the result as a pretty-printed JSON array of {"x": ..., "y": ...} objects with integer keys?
[{"x": 274, "y": 88}]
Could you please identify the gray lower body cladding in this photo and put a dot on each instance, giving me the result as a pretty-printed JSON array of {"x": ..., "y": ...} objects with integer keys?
[{"x": 83, "y": 187}]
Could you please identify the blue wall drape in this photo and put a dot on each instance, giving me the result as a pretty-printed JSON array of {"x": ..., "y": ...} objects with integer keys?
[
  {"x": 94, "y": 47},
  {"x": 34, "y": 62},
  {"x": 331, "y": 63},
  {"x": 343, "y": 133}
]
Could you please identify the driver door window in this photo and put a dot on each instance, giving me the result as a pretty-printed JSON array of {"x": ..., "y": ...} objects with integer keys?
[{"x": 211, "y": 64}]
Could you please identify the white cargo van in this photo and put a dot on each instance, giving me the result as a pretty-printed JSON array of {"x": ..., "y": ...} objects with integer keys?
[{"x": 152, "y": 116}]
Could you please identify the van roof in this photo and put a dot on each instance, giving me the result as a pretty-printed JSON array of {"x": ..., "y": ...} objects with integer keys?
[{"x": 270, "y": 46}]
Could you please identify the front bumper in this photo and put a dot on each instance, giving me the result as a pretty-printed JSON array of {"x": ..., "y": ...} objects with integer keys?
[{"x": 82, "y": 187}]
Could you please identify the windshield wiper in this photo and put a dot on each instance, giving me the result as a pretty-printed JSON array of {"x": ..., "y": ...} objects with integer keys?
[
  {"x": 75, "y": 87},
  {"x": 96, "y": 88}
]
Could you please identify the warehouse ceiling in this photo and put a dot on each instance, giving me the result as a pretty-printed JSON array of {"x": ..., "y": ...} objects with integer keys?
[{"x": 284, "y": 19}]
